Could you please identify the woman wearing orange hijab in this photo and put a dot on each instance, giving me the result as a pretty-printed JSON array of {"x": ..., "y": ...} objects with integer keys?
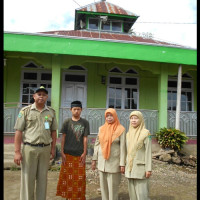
[{"x": 110, "y": 152}]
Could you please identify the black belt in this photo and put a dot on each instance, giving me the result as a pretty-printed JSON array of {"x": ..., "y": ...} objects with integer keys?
[{"x": 36, "y": 145}]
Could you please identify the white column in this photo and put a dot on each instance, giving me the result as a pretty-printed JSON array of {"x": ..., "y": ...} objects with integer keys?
[{"x": 178, "y": 101}]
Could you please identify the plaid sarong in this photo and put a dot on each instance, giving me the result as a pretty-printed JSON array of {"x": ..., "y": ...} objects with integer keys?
[{"x": 72, "y": 179}]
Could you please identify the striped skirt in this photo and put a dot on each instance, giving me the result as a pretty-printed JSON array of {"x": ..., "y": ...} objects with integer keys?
[{"x": 72, "y": 179}]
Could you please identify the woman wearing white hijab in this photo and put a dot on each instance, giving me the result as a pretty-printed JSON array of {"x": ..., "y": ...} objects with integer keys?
[{"x": 139, "y": 157}]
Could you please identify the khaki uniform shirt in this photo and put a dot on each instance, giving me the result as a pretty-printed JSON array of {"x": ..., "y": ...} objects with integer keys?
[
  {"x": 32, "y": 123},
  {"x": 142, "y": 161},
  {"x": 117, "y": 155}
]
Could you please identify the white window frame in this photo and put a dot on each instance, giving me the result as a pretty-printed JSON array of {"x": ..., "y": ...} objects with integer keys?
[
  {"x": 38, "y": 82},
  {"x": 122, "y": 86},
  {"x": 182, "y": 90}
]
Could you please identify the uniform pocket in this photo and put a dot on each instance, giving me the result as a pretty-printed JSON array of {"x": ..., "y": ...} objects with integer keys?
[{"x": 31, "y": 120}]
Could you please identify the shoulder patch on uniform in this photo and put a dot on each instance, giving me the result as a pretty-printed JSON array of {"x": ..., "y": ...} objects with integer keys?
[{"x": 21, "y": 113}]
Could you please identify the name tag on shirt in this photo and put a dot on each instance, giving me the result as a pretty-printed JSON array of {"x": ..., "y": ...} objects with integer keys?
[{"x": 46, "y": 124}]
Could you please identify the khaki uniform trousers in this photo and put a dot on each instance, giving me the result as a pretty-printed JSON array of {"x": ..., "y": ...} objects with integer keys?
[
  {"x": 109, "y": 183},
  {"x": 35, "y": 165},
  {"x": 138, "y": 189}
]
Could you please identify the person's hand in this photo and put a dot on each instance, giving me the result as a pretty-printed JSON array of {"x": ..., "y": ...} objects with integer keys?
[
  {"x": 122, "y": 169},
  {"x": 52, "y": 154},
  {"x": 148, "y": 174},
  {"x": 93, "y": 165},
  {"x": 63, "y": 158},
  {"x": 18, "y": 158},
  {"x": 83, "y": 158}
]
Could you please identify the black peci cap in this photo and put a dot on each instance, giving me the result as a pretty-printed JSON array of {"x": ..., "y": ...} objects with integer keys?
[{"x": 41, "y": 88}]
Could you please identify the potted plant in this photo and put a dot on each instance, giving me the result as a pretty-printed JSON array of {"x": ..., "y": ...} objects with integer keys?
[{"x": 171, "y": 138}]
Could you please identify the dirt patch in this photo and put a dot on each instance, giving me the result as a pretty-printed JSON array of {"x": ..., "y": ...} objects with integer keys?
[{"x": 168, "y": 182}]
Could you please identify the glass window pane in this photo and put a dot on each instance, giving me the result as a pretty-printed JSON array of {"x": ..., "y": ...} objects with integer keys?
[
  {"x": 30, "y": 76},
  {"x": 173, "y": 105},
  {"x": 32, "y": 90},
  {"x": 117, "y": 26},
  {"x": 189, "y": 108},
  {"x": 183, "y": 106},
  {"x": 25, "y": 99},
  {"x": 173, "y": 95},
  {"x": 111, "y": 92},
  {"x": 105, "y": 26},
  {"x": 118, "y": 103},
  {"x": 111, "y": 103},
  {"x": 189, "y": 96},
  {"x": 134, "y": 105},
  {"x": 46, "y": 76},
  {"x": 26, "y": 90},
  {"x": 172, "y": 84},
  {"x": 127, "y": 93},
  {"x": 131, "y": 81},
  {"x": 134, "y": 95},
  {"x": 186, "y": 85},
  {"x": 25, "y": 85},
  {"x": 183, "y": 96},
  {"x": 118, "y": 93},
  {"x": 115, "y": 80},
  {"x": 169, "y": 96},
  {"x": 33, "y": 85},
  {"x": 93, "y": 24},
  {"x": 169, "y": 105},
  {"x": 75, "y": 78},
  {"x": 127, "y": 104},
  {"x": 48, "y": 103}
]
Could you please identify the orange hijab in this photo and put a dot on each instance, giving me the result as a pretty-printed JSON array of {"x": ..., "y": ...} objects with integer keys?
[{"x": 109, "y": 132}]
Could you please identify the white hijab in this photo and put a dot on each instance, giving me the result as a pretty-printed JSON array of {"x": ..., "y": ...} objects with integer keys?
[{"x": 135, "y": 138}]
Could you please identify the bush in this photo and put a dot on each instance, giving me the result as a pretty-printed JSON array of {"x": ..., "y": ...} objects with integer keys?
[{"x": 171, "y": 138}]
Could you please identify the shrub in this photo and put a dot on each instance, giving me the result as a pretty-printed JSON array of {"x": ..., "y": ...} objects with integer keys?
[{"x": 171, "y": 138}]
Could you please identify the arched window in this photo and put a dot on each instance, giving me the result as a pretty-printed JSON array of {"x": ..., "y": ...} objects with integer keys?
[
  {"x": 33, "y": 76},
  {"x": 123, "y": 89}
]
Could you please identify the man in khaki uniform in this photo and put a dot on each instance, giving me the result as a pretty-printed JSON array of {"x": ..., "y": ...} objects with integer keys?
[{"x": 36, "y": 127}]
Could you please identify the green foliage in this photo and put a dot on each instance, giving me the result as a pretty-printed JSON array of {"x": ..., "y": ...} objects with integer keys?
[{"x": 171, "y": 138}]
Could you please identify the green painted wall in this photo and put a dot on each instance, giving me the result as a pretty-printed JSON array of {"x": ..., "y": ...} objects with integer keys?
[
  {"x": 148, "y": 91},
  {"x": 149, "y": 80},
  {"x": 12, "y": 80}
]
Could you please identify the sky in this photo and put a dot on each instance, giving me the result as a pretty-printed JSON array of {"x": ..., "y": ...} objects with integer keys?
[{"x": 167, "y": 20}]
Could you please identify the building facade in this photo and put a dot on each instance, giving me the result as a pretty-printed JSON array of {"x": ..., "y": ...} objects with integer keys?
[{"x": 103, "y": 65}]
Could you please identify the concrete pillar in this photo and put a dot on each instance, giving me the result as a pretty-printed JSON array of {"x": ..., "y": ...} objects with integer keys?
[
  {"x": 56, "y": 84},
  {"x": 162, "y": 96}
]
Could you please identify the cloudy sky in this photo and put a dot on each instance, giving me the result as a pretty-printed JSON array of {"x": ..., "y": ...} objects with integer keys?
[{"x": 168, "y": 20}]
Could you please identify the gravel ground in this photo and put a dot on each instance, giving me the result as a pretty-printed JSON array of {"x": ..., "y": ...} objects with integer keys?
[{"x": 168, "y": 182}]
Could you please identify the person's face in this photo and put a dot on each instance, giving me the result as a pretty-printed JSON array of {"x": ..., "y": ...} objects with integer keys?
[
  {"x": 135, "y": 121},
  {"x": 40, "y": 97},
  {"x": 109, "y": 118},
  {"x": 76, "y": 111}
]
